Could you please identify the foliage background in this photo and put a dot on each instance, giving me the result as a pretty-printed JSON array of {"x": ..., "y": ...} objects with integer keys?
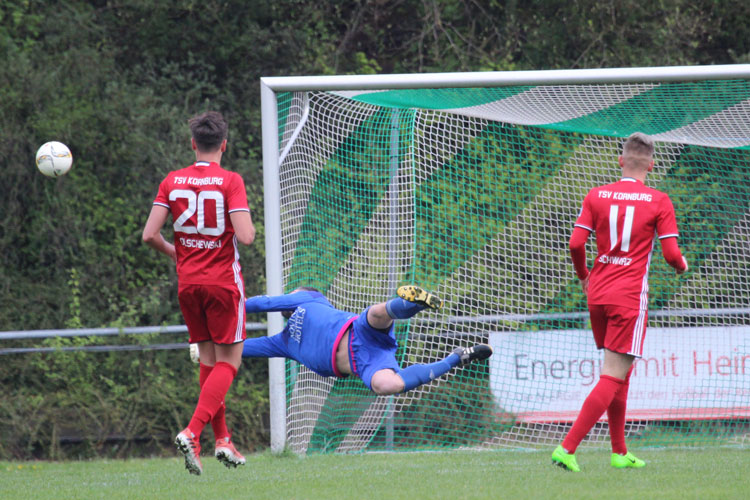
[{"x": 117, "y": 81}]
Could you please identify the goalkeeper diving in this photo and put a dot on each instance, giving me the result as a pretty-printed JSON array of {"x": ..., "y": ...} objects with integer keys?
[{"x": 335, "y": 343}]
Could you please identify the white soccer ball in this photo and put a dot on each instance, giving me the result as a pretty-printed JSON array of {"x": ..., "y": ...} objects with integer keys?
[{"x": 54, "y": 159}]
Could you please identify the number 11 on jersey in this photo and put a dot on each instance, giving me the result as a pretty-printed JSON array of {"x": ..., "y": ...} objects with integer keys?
[{"x": 626, "y": 229}]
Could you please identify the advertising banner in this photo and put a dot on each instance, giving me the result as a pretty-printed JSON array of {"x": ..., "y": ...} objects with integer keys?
[{"x": 685, "y": 373}]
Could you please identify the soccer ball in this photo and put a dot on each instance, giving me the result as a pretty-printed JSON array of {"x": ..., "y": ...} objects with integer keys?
[{"x": 53, "y": 159}]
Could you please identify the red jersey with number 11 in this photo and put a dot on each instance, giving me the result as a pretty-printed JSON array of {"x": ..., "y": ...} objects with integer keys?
[
  {"x": 200, "y": 198},
  {"x": 627, "y": 217}
]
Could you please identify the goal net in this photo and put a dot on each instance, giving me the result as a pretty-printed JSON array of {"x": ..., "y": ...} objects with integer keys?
[{"x": 472, "y": 193}]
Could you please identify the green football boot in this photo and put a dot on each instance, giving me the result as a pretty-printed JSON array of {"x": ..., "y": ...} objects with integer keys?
[
  {"x": 626, "y": 460},
  {"x": 565, "y": 460}
]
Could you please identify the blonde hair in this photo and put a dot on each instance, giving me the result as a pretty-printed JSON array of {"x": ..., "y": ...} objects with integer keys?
[{"x": 638, "y": 150}]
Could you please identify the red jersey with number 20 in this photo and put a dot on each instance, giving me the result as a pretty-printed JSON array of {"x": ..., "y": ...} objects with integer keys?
[
  {"x": 200, "y": 198},
  {"x": 627, "y": 217}
]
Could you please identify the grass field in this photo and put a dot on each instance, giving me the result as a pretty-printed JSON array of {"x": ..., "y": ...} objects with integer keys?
[{"x": 701, "y": 473}]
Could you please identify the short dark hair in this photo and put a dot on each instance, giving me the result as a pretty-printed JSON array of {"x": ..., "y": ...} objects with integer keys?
[{"x": 209, "y": 130}]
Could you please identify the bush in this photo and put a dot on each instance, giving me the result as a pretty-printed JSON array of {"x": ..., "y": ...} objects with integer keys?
[{"x": 119, "y": 404}]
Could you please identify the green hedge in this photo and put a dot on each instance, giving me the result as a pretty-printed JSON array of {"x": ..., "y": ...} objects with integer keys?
[{"x": 120, "y": 404}]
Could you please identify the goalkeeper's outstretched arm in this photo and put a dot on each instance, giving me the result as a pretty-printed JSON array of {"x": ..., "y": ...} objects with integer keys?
[{"x": 288, "y": 302}]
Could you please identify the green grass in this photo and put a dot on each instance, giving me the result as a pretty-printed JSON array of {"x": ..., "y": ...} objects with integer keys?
[{"x": 700, "y": 473}]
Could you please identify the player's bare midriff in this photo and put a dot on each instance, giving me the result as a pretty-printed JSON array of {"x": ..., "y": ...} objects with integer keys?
[{"x": 342, "y": 354}]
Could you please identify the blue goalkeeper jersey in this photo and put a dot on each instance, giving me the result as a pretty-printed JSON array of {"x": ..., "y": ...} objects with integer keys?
[{"x": 313, "y": 330}]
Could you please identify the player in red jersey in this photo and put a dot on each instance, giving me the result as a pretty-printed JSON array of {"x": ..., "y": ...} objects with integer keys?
[
  {"x": 211, "y": 216},
  {"x": 627, "y": 217}
]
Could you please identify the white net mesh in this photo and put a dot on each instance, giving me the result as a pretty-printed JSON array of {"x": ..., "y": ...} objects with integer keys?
[{"x": 476, "y": 202}]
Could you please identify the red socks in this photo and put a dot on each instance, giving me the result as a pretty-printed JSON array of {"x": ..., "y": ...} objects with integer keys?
[
  {"x": 594, "y": 407},
  {"x": 616, "y": 417},
  {"x": 213, "y": 390},
  {"x": 218, "y": 422}
]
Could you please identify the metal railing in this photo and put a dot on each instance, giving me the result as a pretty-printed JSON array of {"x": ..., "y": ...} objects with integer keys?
[
  {"x": 182, "y": 329},
  {"x": 96, "y": 332}
]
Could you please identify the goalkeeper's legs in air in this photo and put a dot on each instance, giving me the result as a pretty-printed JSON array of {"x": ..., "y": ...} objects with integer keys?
[
  {"x": 410, "y": 301},
  {"x": 418, "y": 374},
  {"x": 388, "y": 381}
]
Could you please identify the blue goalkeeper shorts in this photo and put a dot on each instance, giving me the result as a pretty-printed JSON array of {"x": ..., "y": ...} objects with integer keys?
[{"x": 371, "y": 349}]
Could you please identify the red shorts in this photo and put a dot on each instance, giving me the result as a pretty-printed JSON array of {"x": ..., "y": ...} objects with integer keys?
[
  {"x": 619, "y": 329},
  {"x": 213, "y": 312}
]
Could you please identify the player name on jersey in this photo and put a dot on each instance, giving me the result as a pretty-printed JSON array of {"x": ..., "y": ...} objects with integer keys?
[
  {"x": 201, "y": 244},
  {"x": 617, "y": 261}
]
